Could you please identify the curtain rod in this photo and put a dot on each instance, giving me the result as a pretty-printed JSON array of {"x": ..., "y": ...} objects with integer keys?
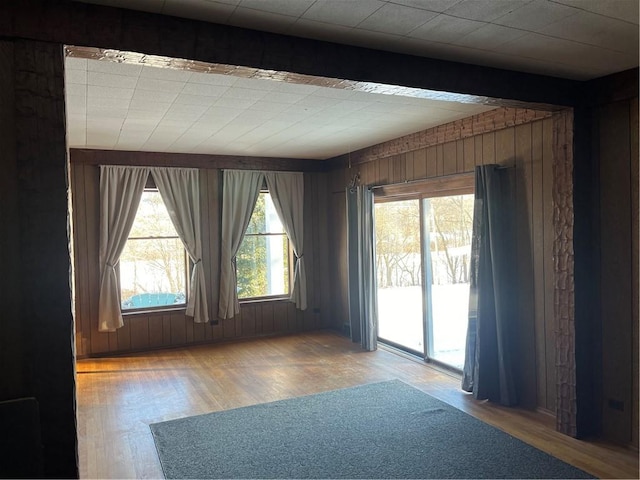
[{"x": 422, "y": 180}]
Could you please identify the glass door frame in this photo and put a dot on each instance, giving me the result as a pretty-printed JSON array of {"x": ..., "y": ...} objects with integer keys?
[{"x": 444, "y": 186}]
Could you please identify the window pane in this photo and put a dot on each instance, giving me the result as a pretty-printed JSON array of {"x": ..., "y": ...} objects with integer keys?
[
  {"x": 152, "y": 218},
  {"x": 262, "y": 263},
  {"x": 264, "y": 218},
  {"x": 153, "y": 267}
]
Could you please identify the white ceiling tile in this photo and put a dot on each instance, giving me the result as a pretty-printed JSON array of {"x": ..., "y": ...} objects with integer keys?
[
  {"x": 102, "y": 140},
  {"x": 139, "y": 123},
  {"x": 316, "y": 101},
  {"x": 74, "y": 63},
  {"x": 432, "y": 5},
  {"x": 149, "y": 97},
  {"x": 284, "y": 7},
  {"x": 555, "y": 50},
  {"x": 76, "y": 104},
  {"x": 536, "y": 15},
  {"x": 76, "y": 138},
  {"x": 282, "y": 97},
  {"x": 592, "y": 29},
  {"x": 238, "y": 103},
  {"x": 95, "y": 91},
  {"x": 626, "y": 10},
  {"x": 205, "y": 89},
  {"x": 157, "y": 85},
  {"x": 329, "y": 32},
  {"x": 144, "y": 105},
  {"x": 110, "y": 80},
  {"x": 396, "y": 19},
  {"x": 76, "y": 90},
  {"x": 106, "y": 111},
  {"x": 260, "y": 20},
  {"x": 134, "y": 143},
  {"x": 188, "y": 99},
  {"x": 445, "y": 29},
  {"x": 221, "y": 113},
  {"x": 103, "y": 123},
  {"x": 247, "y": 93},
  {"x": 340, "y": 12},
  {"x": 484, "y": 10},
  {"x": 489, "y": 37},
  {"x": 187, "y": 109},
  {"x": 75, "y": 76},
  {"x": 206, "y": 11},
  {"x": 93, "y": 101}
]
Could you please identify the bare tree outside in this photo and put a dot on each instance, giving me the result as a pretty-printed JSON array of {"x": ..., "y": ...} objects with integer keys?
[
  {"x": 449, "y": 222},
  {"x": 154, "y": 258}
]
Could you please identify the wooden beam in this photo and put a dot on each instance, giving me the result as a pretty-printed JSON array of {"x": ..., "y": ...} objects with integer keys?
[
  {"x": 80, "y": 24},
  {"x": 158, "y": 159}
]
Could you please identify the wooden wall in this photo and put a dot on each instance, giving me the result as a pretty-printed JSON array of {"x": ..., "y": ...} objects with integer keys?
[
  {"x": 528, "y": 148},
  {"x": 36, "y": 326},
  {"x": 167, "y": 329},
  {"x": 615, "y": 130}
]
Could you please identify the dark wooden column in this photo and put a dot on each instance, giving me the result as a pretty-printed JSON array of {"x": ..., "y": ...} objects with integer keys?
[{"x": 41, "y": 267}]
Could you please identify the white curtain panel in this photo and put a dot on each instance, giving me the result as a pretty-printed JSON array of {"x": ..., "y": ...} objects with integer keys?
[
  {"x": 287, "y": 193},
  {"x": 240, "y": 190},
  {"x": 120, "y": 192},
  {"x": 180, "y": 191}
]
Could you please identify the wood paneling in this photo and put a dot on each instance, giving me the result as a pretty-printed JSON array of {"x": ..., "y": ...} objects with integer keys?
[
  {"x": 12, "y": 348},
  {"x": 42, "y": 276},
  {"x": 528, "y": 148},
  {"x": 635, "y": 264},
  {"x": 616, "y": 268},
  {"x": 144, "y": 331}
]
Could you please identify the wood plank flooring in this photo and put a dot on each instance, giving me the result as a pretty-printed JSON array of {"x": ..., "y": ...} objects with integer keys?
[{"x": 118, "y": 397}]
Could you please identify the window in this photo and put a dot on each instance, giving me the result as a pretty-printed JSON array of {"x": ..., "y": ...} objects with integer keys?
[
  {"x": 262, "y": 262},
  {"x": 153, "y": 266}
]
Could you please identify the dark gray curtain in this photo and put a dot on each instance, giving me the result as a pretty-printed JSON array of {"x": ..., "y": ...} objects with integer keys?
[
  {"x": 361, "y": 256},
  {"x": 487, "y": 368}
]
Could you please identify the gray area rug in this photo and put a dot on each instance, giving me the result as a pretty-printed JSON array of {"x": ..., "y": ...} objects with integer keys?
[{"x": 380, "y": 430}]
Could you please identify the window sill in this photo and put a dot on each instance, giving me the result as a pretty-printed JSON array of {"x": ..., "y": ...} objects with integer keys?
[
  {"x": 153, "y": 311},
  {"x": 284, "y": 298}
]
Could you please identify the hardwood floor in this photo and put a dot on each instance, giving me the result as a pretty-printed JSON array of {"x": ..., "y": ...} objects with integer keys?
[{"x": 118, "y": 397}]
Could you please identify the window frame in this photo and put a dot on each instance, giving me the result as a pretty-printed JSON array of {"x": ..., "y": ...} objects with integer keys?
[
  {"x": 177, "y": 307},
  {"x": 290, "y": 260}
]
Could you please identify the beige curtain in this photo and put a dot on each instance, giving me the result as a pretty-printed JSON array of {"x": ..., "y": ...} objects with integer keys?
[
  {"x": 240, "y": 190},
  {"x": 120, "y": 192},
  {"x": 180, "y": 191},
  {"x": 287, "y": 193}
]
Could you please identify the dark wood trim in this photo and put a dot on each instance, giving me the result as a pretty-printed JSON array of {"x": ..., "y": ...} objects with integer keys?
[{"x": 188, "y": 160}]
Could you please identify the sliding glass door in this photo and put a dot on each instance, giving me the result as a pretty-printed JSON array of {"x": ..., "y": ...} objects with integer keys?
[{"x": 423, "y": 248}]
